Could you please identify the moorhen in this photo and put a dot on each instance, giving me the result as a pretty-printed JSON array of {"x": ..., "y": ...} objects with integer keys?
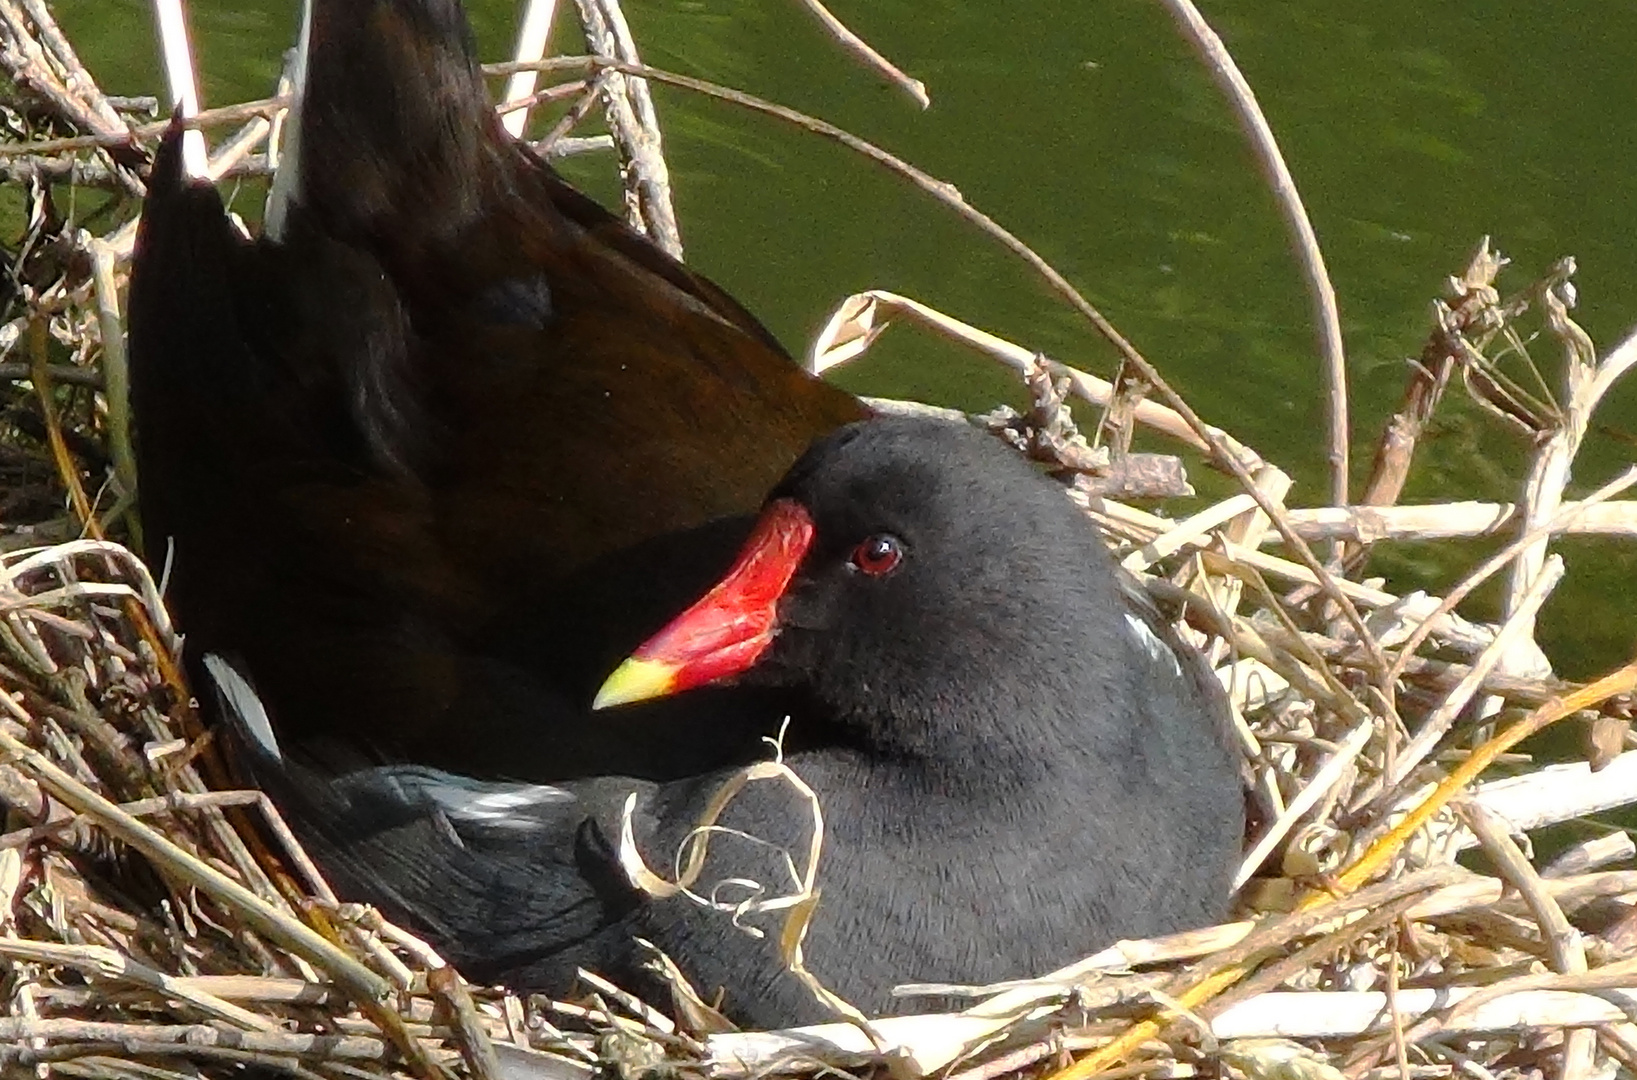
[
  {"x": 446, "y": 442},
  {"x": 1018, "y": 761}
]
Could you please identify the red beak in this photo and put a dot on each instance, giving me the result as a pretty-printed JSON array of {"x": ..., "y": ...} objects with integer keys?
[{"x": 732, "y": 625}]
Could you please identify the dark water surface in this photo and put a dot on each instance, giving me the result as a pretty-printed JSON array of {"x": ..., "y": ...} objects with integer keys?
[{"x": 1089, "y": 129}]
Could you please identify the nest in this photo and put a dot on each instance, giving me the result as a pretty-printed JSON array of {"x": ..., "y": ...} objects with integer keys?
[{"x": 160, "y": 923}]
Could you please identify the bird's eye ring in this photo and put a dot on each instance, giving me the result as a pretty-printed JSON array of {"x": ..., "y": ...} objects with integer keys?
[{"x": 878, "y": 555}]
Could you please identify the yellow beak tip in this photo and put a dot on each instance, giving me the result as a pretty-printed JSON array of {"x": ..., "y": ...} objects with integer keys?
[{"x": 635, "y": 680}]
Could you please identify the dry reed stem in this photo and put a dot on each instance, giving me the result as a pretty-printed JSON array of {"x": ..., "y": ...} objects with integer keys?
[
  {"x": 1591, "y": 855},
  {"x": 1483, "y": 571},
  {"x": 1474, "y": 299},
  {"x": 1585, "y": 381},
  {"x": 871, "y": 59},
  {"x": 67, "y": 471},
  {"x": 144, "y": 838},
  {"x": 631, "y": 118},
  {"x": 533, "y": 31},
  {"x": 1323, "y": 781},
  {"x": 1326, "y": 319},
  {"x": 1452, "y": 521},
  {"x": 181, "y": 81},
  {"x": 105, "y": 963},
  {"x": 1566, "y": 950},
  {"x": 1620, "y": 681},
  {"x": 1517, "y": 627},
  {"x": 861, "y": 318},
  {"x": 230, "y": 114}
]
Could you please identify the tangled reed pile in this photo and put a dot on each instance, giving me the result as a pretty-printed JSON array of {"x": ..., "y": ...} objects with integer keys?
[{"x": 159, "y": 923}]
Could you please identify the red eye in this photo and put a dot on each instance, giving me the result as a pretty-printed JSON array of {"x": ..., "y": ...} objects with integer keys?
[{"x": 879, "y": 555}]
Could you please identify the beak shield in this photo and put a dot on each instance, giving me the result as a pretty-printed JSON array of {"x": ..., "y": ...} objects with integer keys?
[{"x": 731, "y": 626}]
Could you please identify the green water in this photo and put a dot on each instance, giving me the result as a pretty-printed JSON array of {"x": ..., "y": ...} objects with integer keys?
[{"x": 1087, "y": 128}]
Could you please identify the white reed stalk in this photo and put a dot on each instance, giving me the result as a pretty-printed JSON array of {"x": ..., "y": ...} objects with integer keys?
[
  {"x": 179, "y": 77},
  {"x": 531, "y": 46}
]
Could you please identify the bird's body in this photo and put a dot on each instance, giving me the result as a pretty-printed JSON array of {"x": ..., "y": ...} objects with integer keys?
[{"x": 1017, "y": 762}]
